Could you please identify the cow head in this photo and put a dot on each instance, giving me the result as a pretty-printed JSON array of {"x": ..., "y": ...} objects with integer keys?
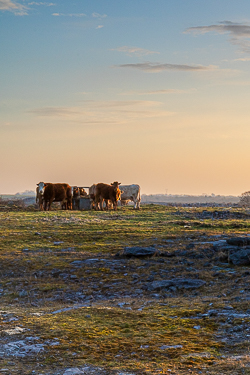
[
  {"x": 41, "y": 187},
  {"x": 116, "y": 184}
]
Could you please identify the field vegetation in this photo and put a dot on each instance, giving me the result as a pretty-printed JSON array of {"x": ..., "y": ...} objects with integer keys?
[{"x": 69, "y": 298}]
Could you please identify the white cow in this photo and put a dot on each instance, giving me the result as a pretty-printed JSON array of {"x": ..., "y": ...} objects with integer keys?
[{"x": 131, "y": 193}]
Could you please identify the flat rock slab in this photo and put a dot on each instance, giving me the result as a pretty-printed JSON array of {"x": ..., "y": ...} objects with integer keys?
[
  {"x": 240, "y": 258},
  {"x": 139, "y": 252},
  {"x": 239, "y": 241},
  {"x": 177, "y": 283}
]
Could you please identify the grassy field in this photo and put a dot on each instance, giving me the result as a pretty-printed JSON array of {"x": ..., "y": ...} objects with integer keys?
[{"x": 63, "y": 287}]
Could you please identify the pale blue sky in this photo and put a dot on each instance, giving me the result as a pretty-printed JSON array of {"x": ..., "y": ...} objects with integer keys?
[{"x": 149, "y": 92}]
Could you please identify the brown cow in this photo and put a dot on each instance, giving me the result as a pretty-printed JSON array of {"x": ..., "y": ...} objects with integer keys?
[
  {"x": 107, "y": 193},
  {"x": 57, "y": 193}
]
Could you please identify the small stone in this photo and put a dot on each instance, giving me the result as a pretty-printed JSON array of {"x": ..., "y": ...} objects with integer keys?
[
  {"x": 73, "y": 371},
  {"x": 23, "y": 293},
  {"x": 163, "y": 347}
]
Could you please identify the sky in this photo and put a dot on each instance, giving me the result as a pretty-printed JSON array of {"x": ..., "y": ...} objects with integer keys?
[{"x": 152, "y": 92}]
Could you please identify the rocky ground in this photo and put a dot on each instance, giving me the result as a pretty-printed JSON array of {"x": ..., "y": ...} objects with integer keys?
[{"x": 198, "y": 278}]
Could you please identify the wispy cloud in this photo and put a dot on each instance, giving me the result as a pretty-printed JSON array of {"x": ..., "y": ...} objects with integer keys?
[
  {"x": 161, "y": 92},
  {"x": 98, "y": 15},
  {"x": 99, "y": 27},
  {"x": 69, "y": 14},
  {"x": 134, "y": 51},
  {"x": 54, "y": 111},
  {"x": 42, "y": 3},
  {"x": 14, "y": 7},
  {"x": 112, "y": 112},
  {"x": 242, "y": 59},
  {"x": 159, "y": 67},
  {"x": 239, "y": 32}
]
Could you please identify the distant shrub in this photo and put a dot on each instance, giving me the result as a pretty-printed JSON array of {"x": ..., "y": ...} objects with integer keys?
[
  {"x": 12, "y": 205},
  {"x": 245, "y": 199}
]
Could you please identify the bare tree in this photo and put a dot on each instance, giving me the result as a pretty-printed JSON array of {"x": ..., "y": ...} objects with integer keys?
[{"x": 245, "y": 199}]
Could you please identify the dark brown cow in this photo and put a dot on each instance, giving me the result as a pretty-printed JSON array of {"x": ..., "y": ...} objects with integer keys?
[
  {"x": 57, "y": 193},
  {"x": 107, "y": 193}
]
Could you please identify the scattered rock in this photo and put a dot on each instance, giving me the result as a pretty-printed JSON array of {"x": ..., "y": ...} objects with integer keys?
[
  {"x": 175, "y": 283},
  {"x": 14, "y": 331},
  {"x": 23, "y": 348},
  {"x": 23, "y": 293},
  {"x": 73, "y": 371},
  {"x": 164, "y": 347}
]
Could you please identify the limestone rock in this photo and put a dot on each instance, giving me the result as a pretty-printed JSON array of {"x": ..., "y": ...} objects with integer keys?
[
  {"x": 240, "y": 258},
  {"x": 239, "y": 241},
  {"x": 176, "y": 283},
  {"x": 139, "y": 252}
]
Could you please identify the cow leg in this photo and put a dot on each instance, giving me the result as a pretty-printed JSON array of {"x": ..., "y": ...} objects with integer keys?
[
  {"x": 101, "y": 204},
  {"x": 134, "y": 203},
  {"x": 45, "y": 204},
  {"x": 50, "y": 202},
  {"x": 41, "y": 204},
  {"x": 114, "y": 205},
  {"x": 96, "y": 204}
]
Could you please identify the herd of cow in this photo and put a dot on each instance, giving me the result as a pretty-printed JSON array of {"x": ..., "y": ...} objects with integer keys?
[{"x": 98, "y": 194}]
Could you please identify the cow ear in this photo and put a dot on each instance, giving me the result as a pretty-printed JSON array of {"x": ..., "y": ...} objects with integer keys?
[
  {"x": 121, "y": 191},
  {"x": 119, "y": 183}
]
